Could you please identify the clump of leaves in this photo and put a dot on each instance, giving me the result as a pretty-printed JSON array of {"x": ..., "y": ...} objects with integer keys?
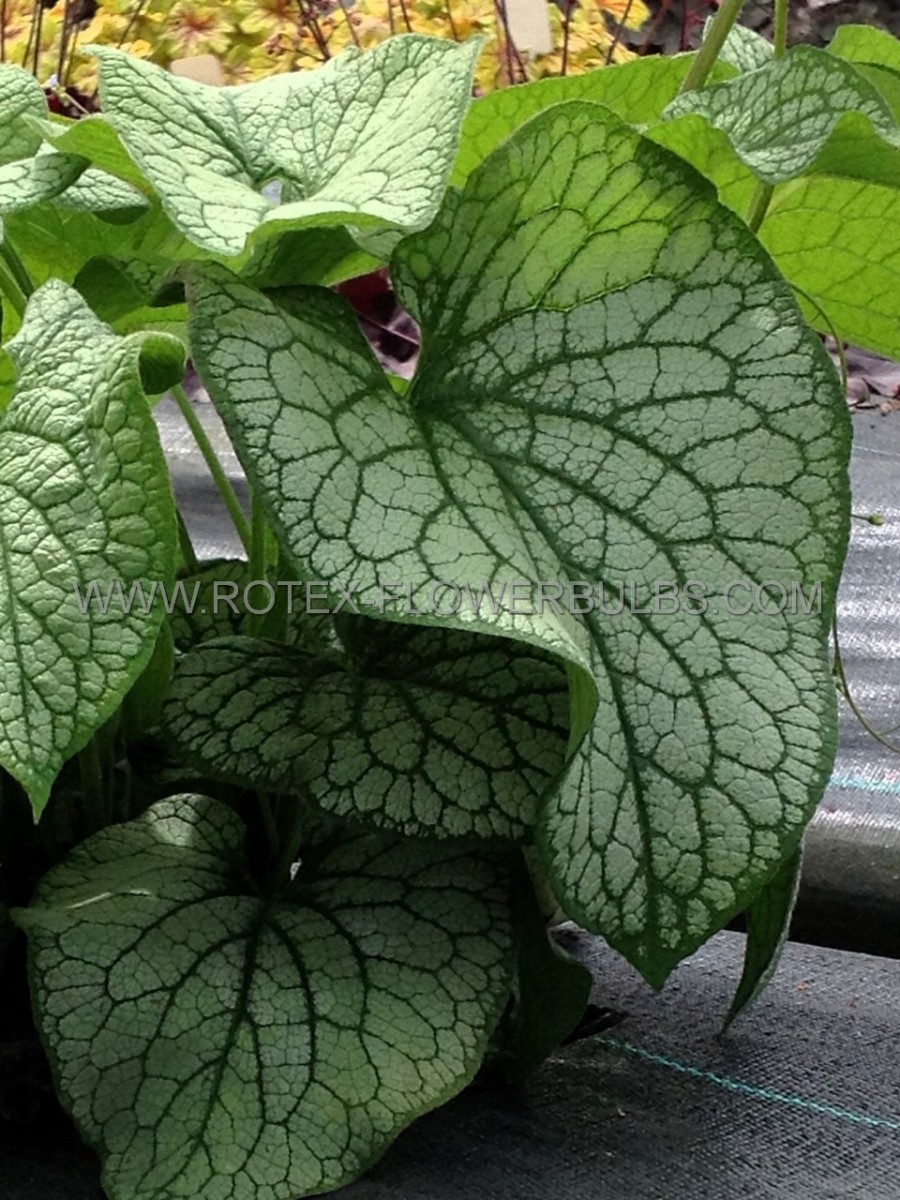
[{"x": 312, "y": 921}]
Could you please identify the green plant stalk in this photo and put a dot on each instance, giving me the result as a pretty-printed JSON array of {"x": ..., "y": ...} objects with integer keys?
[
  {"x": 221, "y": 480},
  {"x": 781, "y": 24},
  {"x": 187, "y": 546},
  {"x": 258, "y": 565},
  {"x": 709, "y": 51},
  {"x": 762, "y": 196},
  {"x": 269, "y": 825},
  {"x": 17, "y": 269},
  {"x": 759, "y": 205},
  {"x": 13, "y": 293},
  {"x": 844, "y": 685},
  {"x": 290, "y": 848},
  {"x": 90, "y": 768},
  {"x": 257, "y": 540}
]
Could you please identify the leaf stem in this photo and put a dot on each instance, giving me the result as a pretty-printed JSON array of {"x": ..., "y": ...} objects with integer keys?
[
  {"x": 781, "y": 27},
  {"x": 759, "y": 205},
  {"x": 269, "y": 825},
  {"x": 617, "y": 36},
  {"x": 13, "y": 293},
  {"x": 257, "y": 540},
  {"x": 16, "y": 268},
  {"x": 709, "y": 51},
  {"x": 350, "y": 24},
  {"x": 762, "y": 196},
  {"x": 841, "y": 676},
  {"x": 93, "y": 783},
  {"x": 187, "y": 546},
  {"x": 258, "y": 566},
  {"x": 290, "y": 847},
  {"x": 221, "y": 480}
]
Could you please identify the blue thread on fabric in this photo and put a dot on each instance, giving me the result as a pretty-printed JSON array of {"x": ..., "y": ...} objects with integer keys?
[
  {"x": 856, "y": 782},
  {"x": 749, "y": 1089}
]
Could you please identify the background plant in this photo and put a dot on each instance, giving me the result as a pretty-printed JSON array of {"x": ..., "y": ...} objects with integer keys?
[{"x": 254, "y": 38}]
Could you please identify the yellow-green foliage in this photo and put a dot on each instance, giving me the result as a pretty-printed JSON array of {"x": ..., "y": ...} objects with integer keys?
[{"x": 253, "y": 38}]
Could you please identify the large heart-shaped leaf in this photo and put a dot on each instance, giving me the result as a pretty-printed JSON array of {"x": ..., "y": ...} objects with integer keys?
[
  {"x": 615, "y": 386},
  {"x": 84, "y": 498},
  {"x": 779, "y": 117},
  {"x": 428, "y": 731},
  {"x": 368, "y": 139},
  {"x": 637, "y": 91},
  {"x": 222, "y": 1044}
]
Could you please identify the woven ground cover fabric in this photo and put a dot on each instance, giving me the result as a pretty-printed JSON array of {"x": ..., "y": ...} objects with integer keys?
[{"x": 800, "y": 1101}]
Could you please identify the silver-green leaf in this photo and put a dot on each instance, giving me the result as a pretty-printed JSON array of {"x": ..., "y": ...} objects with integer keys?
[
  {"x": 99, "y": 192},
  {"x": 425, "y": 731},
  {"x": 615, "y": 386},
  {"x": 84, "y": 497},
  {"x": 367, "y": 140},
  {"x": 744, "y": 49},
  {"x": 219, "y": 1043},
  {"x": 779, "y": 117},
  {"x": 30, "y": 180}
]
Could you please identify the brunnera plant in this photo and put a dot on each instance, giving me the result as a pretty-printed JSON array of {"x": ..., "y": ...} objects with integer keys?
[{"x": 322, "y": 905}]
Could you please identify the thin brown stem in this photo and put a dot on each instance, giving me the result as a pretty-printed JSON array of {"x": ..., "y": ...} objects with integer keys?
[
  {"x": 644, "y": 47},
  {"x": 405, "y": 15},
  {"x": 36, "y": 63},
  {"x": 63, "y": 40},
  {"x": 380, "y": 327},
  {"x": 67, "y": 71},
  {"x": 132, "y": 18},
  {"x": 350, "y": 24},
  {"x": 312, "y": 22},
  {"x": 27, "y": 51},
  {"x": 567, "y": 25},
  {"x": 844, "y": 685},
  {"x": 511, "y": 50},
  {"x": 449, "y": 11},
  {"x": 617, "y": 35}
]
